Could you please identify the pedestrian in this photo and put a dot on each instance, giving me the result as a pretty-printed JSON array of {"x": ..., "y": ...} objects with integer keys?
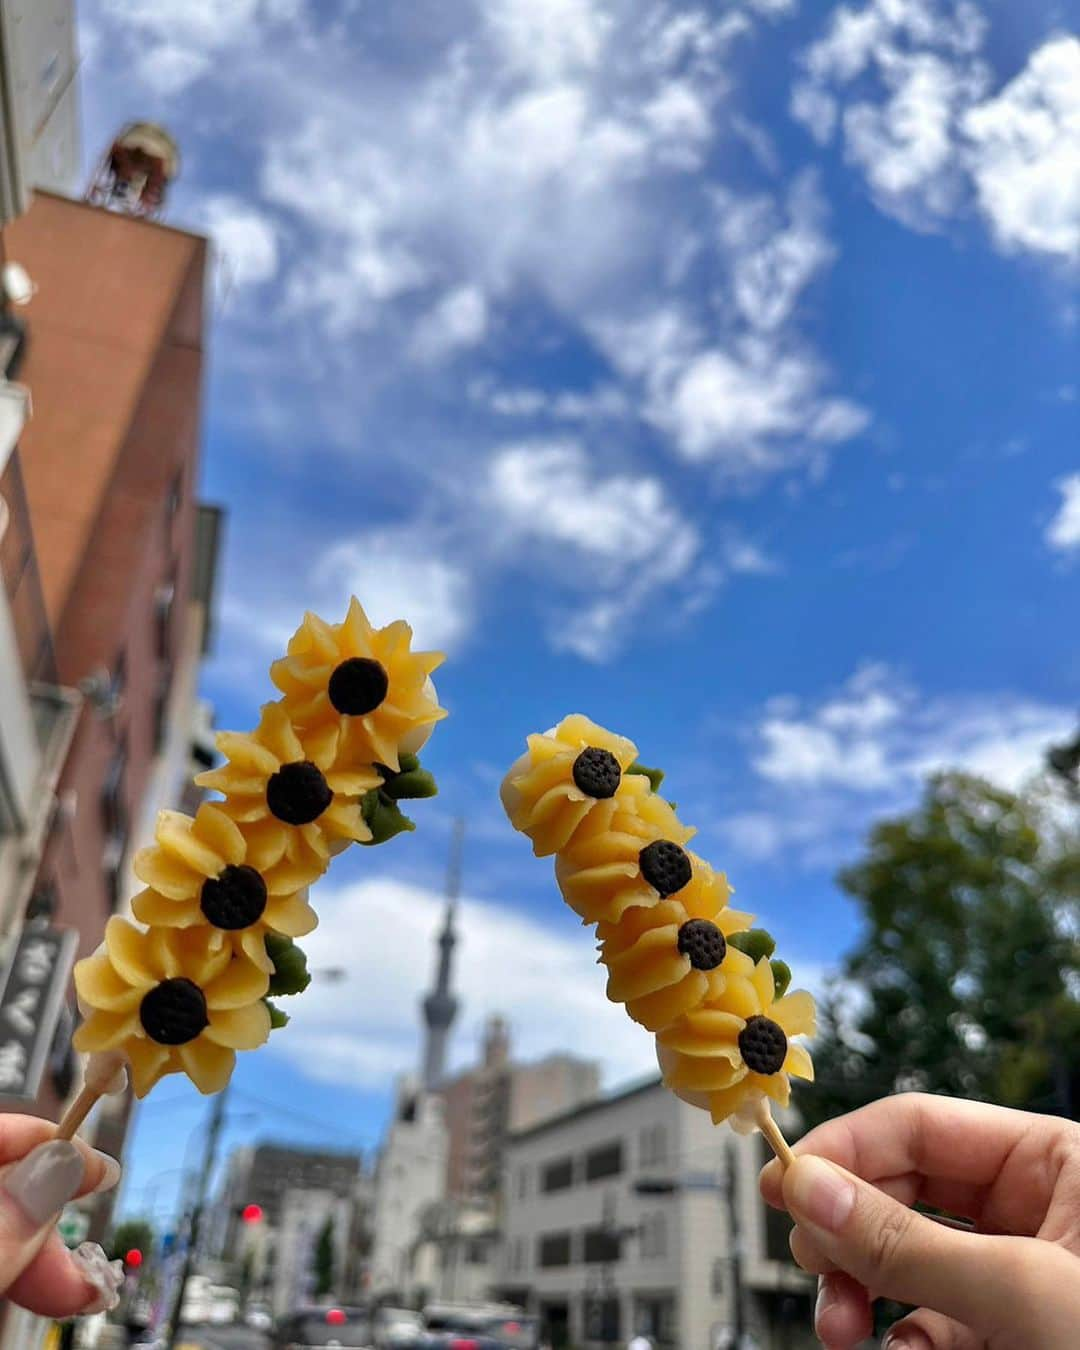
[
  {"x": 38, "y": 1176},
  {"x": 1014, "y": 1281}
]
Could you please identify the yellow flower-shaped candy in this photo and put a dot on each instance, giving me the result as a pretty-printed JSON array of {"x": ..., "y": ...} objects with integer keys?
[
  {"x": 171, "y": 1000},
  {"x": 730, "y": 1053},
  {"x": 284, "y": 792},
  {"x": 364, "y": 683},
  {"x": 198, "y": 873},
  {"x": 629, "y": 851},
  {"x": 563, "y": 776},
  {"x": 671, "y": 957}
]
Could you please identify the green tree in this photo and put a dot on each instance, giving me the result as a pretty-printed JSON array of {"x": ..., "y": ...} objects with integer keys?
[
  {"x": 129, "y": 1233},
  {"x": 965, "y": 980},
  {"x": 324, "y": 1259}
]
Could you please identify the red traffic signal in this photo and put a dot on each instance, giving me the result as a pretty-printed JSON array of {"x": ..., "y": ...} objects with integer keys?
[
  {"x": 133, "y": 1258},
  {"x": 335, "y": 1317},
  {"x": 251, "y": 1213}
]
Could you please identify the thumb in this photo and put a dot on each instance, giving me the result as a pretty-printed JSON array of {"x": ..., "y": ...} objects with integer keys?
[
  {"x": 32, "y": 1194},
  {"x": 996, "y": 1285}
]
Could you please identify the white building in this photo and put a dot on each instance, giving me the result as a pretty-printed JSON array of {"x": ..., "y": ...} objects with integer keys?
[
  {"x": 618, "y": 1217},
  {"x": 411, "y": 1176},
  {"x": 304, "y": 1216}
]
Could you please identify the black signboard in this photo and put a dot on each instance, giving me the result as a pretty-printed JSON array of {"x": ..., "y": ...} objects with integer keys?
[{"x": 34, "y": 986}]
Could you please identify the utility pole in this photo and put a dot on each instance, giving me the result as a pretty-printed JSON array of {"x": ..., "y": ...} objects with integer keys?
[
  {"x": 209, "y": 1162},
  {"x": 731, "y": 1193}
]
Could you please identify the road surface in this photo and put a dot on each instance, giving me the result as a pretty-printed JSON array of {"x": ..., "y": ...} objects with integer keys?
[{"x": 223, "y": 1338}]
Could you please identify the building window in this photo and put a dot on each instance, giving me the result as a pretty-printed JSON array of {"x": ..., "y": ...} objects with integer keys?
[
  {"x": 553, "y": 1249},
  {"x": 654, "y": 1317},
  {"x": 172, "y": 500},
  {"x": 475, "y": 1252},
  {"x": 164, "y": 599},
  {"x": 606, "y": 1161},
  {"x": 653, "y": 1145},
  {"x": 558, "y": 1175},
  {"x": 718, "y": 1276},
  {"x": 115, "y": 821},
  {"x": 602, "y": 1319},
  {"x": 601, "y": 1245},
  {"x": 522, "y": 1182},
  {"x": 654, "y": 1237}
]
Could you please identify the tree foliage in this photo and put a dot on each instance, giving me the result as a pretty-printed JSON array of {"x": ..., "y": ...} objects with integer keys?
[
  {"x": 324, "y": 1259},
  {"x": 129, "y": 1234},
  {"x": 966, "y": 978}
]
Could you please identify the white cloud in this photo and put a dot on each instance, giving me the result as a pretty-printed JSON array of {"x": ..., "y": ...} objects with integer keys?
[
  {"x": 383, "y": 930},
  {"x": 457, "y": 321},
  {"x": 930, "y": 141},
  {"x": 245, "y": 239},
  {"x": 398, "y": 573},
  {"x": 829, "y": 766},
  {"x": 545, "y": 39},
  {"x": 602, "y": 402},
  {"x": 614, "y": 539},
  {"x": 1025, "y": 155},
  {"x": 1063, "y": 532}
]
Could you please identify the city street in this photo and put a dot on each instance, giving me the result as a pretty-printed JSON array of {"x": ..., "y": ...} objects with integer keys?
[{"x": 223, "y": 1338}]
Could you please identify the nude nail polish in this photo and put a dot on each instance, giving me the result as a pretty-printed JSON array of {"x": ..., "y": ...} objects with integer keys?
[{"x": 44, "y": 1181}]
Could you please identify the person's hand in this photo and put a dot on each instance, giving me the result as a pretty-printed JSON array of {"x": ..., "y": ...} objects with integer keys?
[
  {"x": 1012, "y": 1284},
  {"x": 38, "y": 1176}
]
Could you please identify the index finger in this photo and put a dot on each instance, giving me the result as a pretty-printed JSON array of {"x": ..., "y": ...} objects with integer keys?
[
  {"x": 959, "y": 1147},
  {"x": 20, "y": 1135}
]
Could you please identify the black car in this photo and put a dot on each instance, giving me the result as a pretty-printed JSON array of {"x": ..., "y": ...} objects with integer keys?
[
  {"x": 349, "y": 1328},
  {"x": 464, "y": 1330}
]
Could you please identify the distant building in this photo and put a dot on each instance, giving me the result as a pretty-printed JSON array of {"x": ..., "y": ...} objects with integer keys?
[
  {"x": 410, "y": 1177},
  {"x": 304, "y": 1215},
  {"x": 617, "y": 1219},
  {"x": 483, "y": 1105},
  {"x": 262, "y": 1174}
]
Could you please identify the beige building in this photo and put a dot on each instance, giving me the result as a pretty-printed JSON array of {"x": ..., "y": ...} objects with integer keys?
[{"x": 634, "y": 1213}]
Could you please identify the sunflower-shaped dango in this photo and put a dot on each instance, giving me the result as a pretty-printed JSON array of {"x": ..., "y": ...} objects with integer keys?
[
  {"x": 729, "y": 1054},
  {"x": 198, "y": 873},
  {"x": 628, "y": 853},
  {"x": 562, "y": 778},
  {"x": 665, "y": 959},
  {"x": 171, "y": 1000},
  {"x": 292, "y": 805},
  {"x": 363, "y": 683}
]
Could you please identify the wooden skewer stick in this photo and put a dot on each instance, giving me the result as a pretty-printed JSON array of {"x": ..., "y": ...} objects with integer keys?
[
  {"x": 102, "y": 1072},
  {"x": 773, "y": 1134}
]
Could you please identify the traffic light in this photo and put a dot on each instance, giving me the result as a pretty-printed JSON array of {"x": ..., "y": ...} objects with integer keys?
[
  {"x": 133, "y": 1259},
  {"x": 251, "y": 1213},
  {"x": 335, "y": 1317}
]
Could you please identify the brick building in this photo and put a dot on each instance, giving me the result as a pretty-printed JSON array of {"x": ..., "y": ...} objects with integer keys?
[{"x": 108, "y": 567}]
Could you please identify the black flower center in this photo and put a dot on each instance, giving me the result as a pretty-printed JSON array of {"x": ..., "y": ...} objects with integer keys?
[
  {"x": 174, "y": 1012},
  {"x": 703, "y": 943},
  {"x": 358, "y": 686},
  {"x": 235, "y": 899},
  {"x": 298, "y": 793},
  {"x": 665, "y": 866},
  {"x": 596, "y": 772},
  {"x": 763, "y": 1045}
]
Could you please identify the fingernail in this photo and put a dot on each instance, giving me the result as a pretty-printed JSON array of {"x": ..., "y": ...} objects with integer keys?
[
  {"x": 826, "y": 1297},
  {"x": 45, "y": 1180},
  {"x": 110, "y": 1176},
  {"x": 897, "y": 1340},
  {"x": 104, "y": 1276},
  {"x": 819, "y": 1194}
]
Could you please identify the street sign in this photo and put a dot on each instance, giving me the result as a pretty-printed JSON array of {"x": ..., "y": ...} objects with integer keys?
[{"x": 34, "y": 986}]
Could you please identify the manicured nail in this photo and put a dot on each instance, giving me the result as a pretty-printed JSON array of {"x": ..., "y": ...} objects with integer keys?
[
  {"x": 826, "y": 1297},
  {"x": 819, "y": 1194},
  {"x": 102, "y": 1275},
  {"x": 110, "y": 1176},
  {"x": 898, "y": 1340},
  {"x": 45, "y": 1180}
]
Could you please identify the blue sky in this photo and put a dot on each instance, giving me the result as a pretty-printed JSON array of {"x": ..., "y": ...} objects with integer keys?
[{"x": 710, "y": 369}]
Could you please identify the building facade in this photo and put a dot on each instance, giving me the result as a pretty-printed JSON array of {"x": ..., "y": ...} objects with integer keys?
[{"x": 634, "y": 1213}]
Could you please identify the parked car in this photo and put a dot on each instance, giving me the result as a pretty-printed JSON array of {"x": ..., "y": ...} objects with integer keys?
[
  {"x": 479, "y": 1327},
  {"x": 309, "y": 1327},
  {"x": 397, "y": 1328}
]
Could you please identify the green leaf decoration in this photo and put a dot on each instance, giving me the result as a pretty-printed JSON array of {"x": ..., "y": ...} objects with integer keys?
[
  {"x": 278, "y": 1019},
  {"x": 756, "y": 943},
  {"x": 380, "y": 809},
  {"x": 781, "y": 972},
  {"x": 291, "y": 974},
  {"x": 655, "y": 776}
]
